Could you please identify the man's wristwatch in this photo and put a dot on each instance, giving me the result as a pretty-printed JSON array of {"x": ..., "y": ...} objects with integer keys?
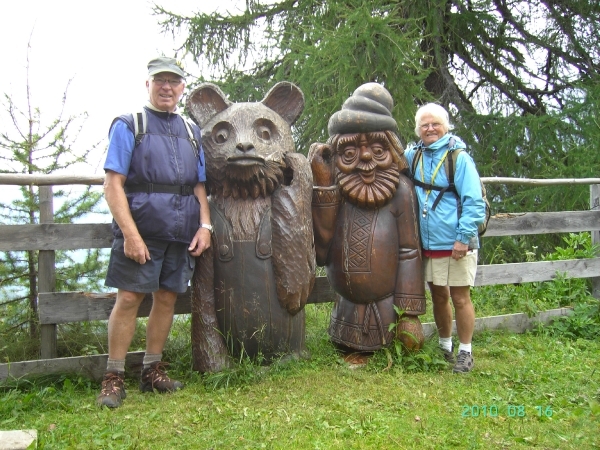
[{"x": 208, "y": 226}]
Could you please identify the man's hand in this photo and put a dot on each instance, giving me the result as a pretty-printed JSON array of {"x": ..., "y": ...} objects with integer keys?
[
  {"x": 133, "y": 245},
  {"x": 135, "y": 248},
  {"x": 200, "y": 242},
  {"x": 459, "y": 250}
]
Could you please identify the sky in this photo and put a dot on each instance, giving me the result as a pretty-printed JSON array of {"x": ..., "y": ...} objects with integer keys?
[{"x": 103, "y": 47}]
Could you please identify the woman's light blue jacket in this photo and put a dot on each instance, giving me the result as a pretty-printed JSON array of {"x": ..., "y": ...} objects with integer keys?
[{"x": 441, "y": 228}]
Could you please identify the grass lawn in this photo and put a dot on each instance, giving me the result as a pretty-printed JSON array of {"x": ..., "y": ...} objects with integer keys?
[{"x": 530, "y": 390}]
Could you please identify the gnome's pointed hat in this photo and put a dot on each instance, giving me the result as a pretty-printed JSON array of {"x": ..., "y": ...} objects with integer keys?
[{"x": 368, "y": 109}]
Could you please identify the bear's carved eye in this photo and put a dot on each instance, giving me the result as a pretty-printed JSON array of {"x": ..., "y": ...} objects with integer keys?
[
  {"x": 265, "y": 129},
  {"x": 221, "y": 132},
  {"x": 264, "y": 133},
  {"x": 221, "y": 135}
]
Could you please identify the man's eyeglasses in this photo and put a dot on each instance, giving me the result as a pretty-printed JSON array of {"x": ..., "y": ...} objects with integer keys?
[
  {"x": 161, "y": 81},
  {"x": 426, "y": 126}
]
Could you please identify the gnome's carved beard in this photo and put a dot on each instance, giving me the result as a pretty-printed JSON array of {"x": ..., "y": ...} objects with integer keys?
[
  {"x": 369, "y": 195},
  {"x": 248, "y": 181}
]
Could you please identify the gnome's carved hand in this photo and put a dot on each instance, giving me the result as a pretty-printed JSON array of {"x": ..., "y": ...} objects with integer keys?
[{"x": 322, "y": 162}]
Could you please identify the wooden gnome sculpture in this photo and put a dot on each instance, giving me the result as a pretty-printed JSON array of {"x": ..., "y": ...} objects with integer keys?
[
  {"x": 365, "y": 224},
  {"x": 249, "y": 289}
]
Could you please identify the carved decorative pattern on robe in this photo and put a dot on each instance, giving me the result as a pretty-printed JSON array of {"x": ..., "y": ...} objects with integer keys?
[{"x": 361, "y": 239}]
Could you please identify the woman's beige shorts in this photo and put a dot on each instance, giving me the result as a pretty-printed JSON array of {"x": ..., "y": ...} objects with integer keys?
[{"x": 449, "y": 272}]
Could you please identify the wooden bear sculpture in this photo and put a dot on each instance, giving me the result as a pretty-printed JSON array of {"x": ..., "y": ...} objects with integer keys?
[{"x": 249, "y": 289}]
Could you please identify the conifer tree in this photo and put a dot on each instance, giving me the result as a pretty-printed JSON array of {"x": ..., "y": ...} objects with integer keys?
[
  {"x": 515, "y": 76},
  {"x": 32, "y": 144}
]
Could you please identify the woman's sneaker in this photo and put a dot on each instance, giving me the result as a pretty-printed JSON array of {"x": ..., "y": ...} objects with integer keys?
[
  {"x": 155, "y": 378},
  {"x": 113, "y": 390},
  {"x": 449, "y": 355},
  {"x": 464, "y": 362}
]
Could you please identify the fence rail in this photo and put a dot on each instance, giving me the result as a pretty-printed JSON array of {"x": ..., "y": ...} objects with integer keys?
[
  {"x": 66, "y": 236},
  {"x": 65, "y": 307}
]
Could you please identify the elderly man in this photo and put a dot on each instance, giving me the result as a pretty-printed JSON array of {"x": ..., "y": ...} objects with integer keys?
[{"x": 155, "y": 191}]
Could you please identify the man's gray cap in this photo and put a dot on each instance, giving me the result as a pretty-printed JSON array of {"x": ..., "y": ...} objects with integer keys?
[
  {"x": 164, "y": 64},
  {"x": 368, "y": 109}
]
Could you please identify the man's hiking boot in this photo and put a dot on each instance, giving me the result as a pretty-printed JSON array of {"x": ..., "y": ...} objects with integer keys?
[
  {"x": 449, "y": 355},
  {"x": 113, "y": 390},
  {"x": 464, "y": 362},
  {"x": 155, "y": 378}
]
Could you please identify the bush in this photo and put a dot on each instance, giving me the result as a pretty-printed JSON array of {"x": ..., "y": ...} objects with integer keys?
[
  {"x": 532, "y": 298},
  {"x": 583, "y": 323}
]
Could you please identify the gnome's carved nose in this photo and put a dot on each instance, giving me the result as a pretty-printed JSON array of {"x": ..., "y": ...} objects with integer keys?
[{"x": 245, "y": 147}]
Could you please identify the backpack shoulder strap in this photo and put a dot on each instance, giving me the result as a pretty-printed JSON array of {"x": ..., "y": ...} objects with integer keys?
[
  {"x": 415, "y": 162},
  {"x": 450, "y": 163},
  {"x": 188, "y": 127},
  {"x": 190, "y": 132},
  {"x": 450, "y": 166},
  {"x": 140, "y": 126}
]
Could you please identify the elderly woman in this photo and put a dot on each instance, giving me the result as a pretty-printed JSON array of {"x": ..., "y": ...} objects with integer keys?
[{"x": 448, "y": 226}]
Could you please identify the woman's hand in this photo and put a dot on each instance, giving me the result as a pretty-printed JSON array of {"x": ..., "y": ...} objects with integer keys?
[{"x": 459, "y": 250}]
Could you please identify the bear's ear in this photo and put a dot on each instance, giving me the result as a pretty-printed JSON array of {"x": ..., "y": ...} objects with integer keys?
[
  {"x": 205, "y": 102},
  {"x": 286, "y": 99}
]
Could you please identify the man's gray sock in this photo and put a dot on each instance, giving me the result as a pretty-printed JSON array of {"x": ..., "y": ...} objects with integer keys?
[
  {"x": 115, "y": 365},
  {"x": 149, "y": 358}
]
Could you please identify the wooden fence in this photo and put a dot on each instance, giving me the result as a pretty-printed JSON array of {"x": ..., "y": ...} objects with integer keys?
[{"x": 63, "y": 307}]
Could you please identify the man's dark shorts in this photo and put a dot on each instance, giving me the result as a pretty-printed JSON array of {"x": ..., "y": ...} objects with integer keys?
[{"x": 170, "y": 268}]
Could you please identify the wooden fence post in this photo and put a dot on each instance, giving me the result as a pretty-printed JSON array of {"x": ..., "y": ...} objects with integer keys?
[
  {"x": 47, "y": 274},
  {"x": 595, "y": 206}
]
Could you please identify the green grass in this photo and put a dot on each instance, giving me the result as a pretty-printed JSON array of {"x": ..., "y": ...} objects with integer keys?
[
  {"x": 540, "y": 390},
  {"x": 322, "y": 403}
]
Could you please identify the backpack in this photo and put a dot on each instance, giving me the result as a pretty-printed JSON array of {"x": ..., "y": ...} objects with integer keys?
[
  {"x": 139, "y": 118},
  {"x": 450, "y": 167}
]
